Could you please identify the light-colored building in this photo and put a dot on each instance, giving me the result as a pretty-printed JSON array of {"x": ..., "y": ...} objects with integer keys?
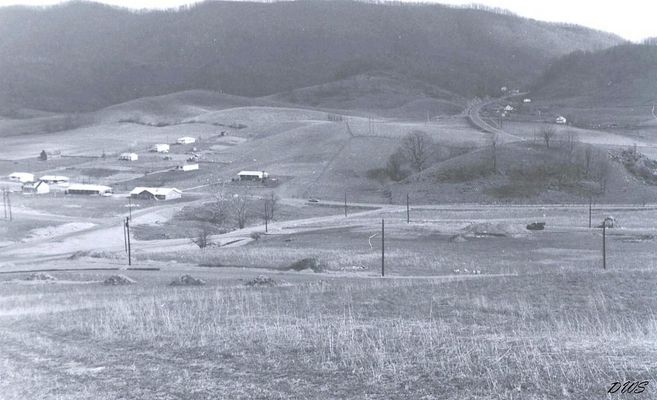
[
  {"x": 253, "y": 175},
  {"x": 527, "y": 100},
  {"x": 129, "y": 157},
  {"x": 151, "y": 193},
  {"x": 186, "y": 140},
  {"x": 40, "y": 187},
  {"x": 22, "y": 177},
  {"x": 187, "y": 167},
  {"x": 561, "y": 120},
  {"x": 508, "y": 108},
  {"x": 160, "y": 148},
  {"x": 79, "y": 188},
  {"x": 55, "y": 179}
]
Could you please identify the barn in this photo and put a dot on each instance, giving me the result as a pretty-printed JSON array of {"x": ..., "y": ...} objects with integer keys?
[
  {"x": 79, "y": 188},
  {"x": 160, "y": 148},
  {"x": 151, "y": 193},
  {"x": 129, "y": 157},
  {"x": 187, "y": 167},
  {"x": 252, "y": 175}
]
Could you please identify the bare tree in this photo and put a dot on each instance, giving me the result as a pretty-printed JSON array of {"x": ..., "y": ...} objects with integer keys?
[
  {"x": 571, "y": 141},
  {"x": 271, "y": 202},
  {"x": 218, "y": 210},
  {"x": 394, "y": 166},
  {"x": 240, "y": 208},
  {"x": 588, "y": 159},
  {"x": 416, "y": 146},
  {"x": 547, "y": 133},
  {"x": 202, "y": 239}
]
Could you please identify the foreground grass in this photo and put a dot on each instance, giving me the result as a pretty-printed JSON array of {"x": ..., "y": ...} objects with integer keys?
[{"x": 555, "y": 336}]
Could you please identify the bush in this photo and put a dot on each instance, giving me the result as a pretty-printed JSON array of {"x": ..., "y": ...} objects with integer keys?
[{"x": 308, "y": 263}]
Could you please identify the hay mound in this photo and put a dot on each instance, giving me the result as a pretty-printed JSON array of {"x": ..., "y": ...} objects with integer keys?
[
  {"x": 308, "y": 263},
  {"x": 483, "y": 229},
  {"x": 117, "y": 280},
  {"x": 40, "y": 276},
  {"x": 261, "y": 281},
  {"x": 187, "y": 280}
]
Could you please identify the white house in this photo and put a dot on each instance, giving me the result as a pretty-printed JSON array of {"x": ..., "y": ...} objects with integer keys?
[
  {"x": 151, "y": 193},
  {"x": 79, "y": 188},
  {"x": 129, "y": 157},
  {"x": 527, "y": 100},
  {"x": 561, "y": 120},
  {"x": 253, "y": 175},
  {"x": 187, "y": 167},
  {"x": 160, "y": 148},
  {"x": 508, "y": 108},
  {"x": 504, "y": 89},
  {"x": 40, "y": 187},
  {"x": 186, "y": 140},
  {"x": 55, "y": 179},
  {"x": 22, "y": 177}
]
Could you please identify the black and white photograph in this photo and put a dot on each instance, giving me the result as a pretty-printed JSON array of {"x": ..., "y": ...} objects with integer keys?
[{"x": 328, "y": 199}]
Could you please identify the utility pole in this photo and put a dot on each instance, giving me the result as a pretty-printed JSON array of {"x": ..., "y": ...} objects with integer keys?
[
  {"x": 604, "y": 244},
  {"x": 408, "y": 210},
  {"x": 4, "y": 201},
  {"x": 383, "y": 248},
  {"x": 127, "y": 228},
  {"x": 590, "y": 205},
  {"x": 125, "y": 240},
  {"x": 266, "y": 217},
  {"x": 345, "y": 204},
  {"x": 130, "y": 207}
]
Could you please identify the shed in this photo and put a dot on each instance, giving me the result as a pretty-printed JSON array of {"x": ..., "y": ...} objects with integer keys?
[
  {"x": 561, "y": 120},
  {"x": 151, "y": 193},
  {"x": 186, "y": 140},
  {"x": 527, "y": 100},
  {"x": 160, "y": 148},
  {"x": 40, "y": 187},
  {"x": 253, "y": 175},
  {"x": 129, "y": 157},
  {"x": 79, "y": 188},
  {"x": 22, "y": 177}
]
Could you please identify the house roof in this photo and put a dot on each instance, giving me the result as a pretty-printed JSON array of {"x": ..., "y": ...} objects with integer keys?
[
  {"x": 22, "y": 174},
  {"x": 54, "y": 178},
  {"x": 186, "y": 138},
  {"x": 84, "y": 186},
  {"x": 155, "y": 191}
]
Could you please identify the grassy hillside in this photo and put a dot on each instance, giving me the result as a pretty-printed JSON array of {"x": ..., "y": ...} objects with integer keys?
[{"x": 85, "y": 56}]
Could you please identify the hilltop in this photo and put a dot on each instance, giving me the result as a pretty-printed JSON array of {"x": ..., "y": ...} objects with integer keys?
[{"x": 83, "y": 56}]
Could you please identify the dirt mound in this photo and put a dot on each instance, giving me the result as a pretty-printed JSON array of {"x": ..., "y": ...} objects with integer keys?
[
  {"x": 40, "y": 276},
  {"x": 118, "y": 280},
  {"x": 483, "y": 229},
  {"x": 308, "y": 263},
  {"x": 187, "y": 280},
  {"x": 261, "y": 281}
]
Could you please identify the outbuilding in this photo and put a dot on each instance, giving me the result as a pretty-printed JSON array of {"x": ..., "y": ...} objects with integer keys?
[
  {"x": 187, "y": 167},
  {"x": 253, "y": 175},
  {"x": 160, "y": 148},
  {"x": 152, "y": 193},
  {"x": 85, "y": 189},
  {"x": 55, "y": 179},
  {"x": 561, "y": 120},
  {"x": 40, "y": 187},
  {"x": 186, "y": 140},
  {"x": 129, "y": 157},
  {"x": 22, "y": 177}
]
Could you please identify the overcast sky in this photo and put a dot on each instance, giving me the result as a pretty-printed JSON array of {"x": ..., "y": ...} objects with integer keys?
[{"x": 631, "y": 19}]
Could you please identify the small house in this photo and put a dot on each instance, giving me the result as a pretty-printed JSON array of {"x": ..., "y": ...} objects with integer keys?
[
  {"x": 508, "y": 108},
  {"x": 527, "y": 101},
  {"x": 253, "y": 175},
  {"x": 22, "y": 177},
  {"x": 151, "y": 193},
  {"x": 85, "y": 189},
  {"x": 187, "y": 167},
  {"x": 160, "y": 148},
  {"x": 40, "y": 187},
  {"x": 561, "y": 120},
  {"x": 129, "y": 157},
  {"x": 186, "y": 140},
  {"x": 55, "y": 179},
  {"x": 504, "y": 89}
]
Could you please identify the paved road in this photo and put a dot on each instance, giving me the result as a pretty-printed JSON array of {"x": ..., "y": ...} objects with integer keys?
[{"x": 473, "y": 112}]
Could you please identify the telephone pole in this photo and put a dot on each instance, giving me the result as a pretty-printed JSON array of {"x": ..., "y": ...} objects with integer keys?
[
  {"x": 345, "y": 204},
  {"x": 266, "y": 217},
  {"x": 383, "y": 248},
  {"x": 590, "y": 205},
  {"x": 408, "y": 210},
  {"x": 604, "y": 244},
  {"x": 127, "y": 229}
]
